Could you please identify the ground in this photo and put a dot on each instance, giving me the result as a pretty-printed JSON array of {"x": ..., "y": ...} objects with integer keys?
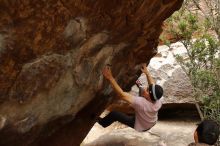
[{"x": 172, "y": 133}]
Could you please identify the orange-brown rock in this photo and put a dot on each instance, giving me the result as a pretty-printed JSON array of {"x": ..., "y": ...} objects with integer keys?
[{"x": 51, "y": 56}]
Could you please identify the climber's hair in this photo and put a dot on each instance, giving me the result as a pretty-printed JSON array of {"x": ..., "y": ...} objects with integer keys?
[{"x": 208, "y": 132}]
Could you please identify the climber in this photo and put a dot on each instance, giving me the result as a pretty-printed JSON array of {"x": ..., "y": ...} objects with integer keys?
[
  {"x": 206, "y": 133},
  {"x": 146, "y": 106}
]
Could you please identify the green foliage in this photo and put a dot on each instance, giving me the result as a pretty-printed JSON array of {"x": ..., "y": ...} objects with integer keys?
[
  {"x": 211, "y": 107},
  {"x": 202, "y": 64}
]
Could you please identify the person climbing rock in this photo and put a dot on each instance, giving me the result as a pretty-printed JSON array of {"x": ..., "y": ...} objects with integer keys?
[
  {"x": 206, "y": 133},
  {"x": 146, "y": 106}
]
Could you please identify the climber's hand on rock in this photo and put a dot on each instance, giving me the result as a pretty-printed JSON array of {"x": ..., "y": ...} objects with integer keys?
[
  {"x": 107, "y": 73},
  {"x": 144, "y": 68}
]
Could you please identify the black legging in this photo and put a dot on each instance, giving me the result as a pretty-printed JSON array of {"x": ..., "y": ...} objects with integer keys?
[{"x": 117, "y": 116}]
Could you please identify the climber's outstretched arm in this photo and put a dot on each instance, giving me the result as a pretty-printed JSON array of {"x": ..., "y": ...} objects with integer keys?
[
  {"x": 144, "y": 69},
  {"x": 123, "y": 95}
]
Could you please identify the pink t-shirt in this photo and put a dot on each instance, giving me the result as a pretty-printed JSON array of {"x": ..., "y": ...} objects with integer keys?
[{"x": 145, "y": 112}]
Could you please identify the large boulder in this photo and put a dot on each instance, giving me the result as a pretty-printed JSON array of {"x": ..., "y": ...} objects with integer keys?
[
  {"x": 176, "y": 84},
  {"x": 168, "y": 73},
  {"x": 51, "y": 56}
]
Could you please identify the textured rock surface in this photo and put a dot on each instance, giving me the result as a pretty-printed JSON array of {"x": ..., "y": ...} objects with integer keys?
[
  {"x": 168, "y": 73},
  {"x": 51, "y": 54}
]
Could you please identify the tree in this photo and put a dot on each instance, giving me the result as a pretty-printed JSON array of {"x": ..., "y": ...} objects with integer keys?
[{"x": 202, "y": 63}]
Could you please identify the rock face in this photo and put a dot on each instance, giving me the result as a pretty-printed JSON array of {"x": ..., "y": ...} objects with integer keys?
[
  {"x": 168, "y": 73},
  {"x": 51, "y": 56}
]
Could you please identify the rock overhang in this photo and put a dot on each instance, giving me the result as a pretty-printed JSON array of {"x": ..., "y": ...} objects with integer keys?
[{"x": 52, "y": 53}]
